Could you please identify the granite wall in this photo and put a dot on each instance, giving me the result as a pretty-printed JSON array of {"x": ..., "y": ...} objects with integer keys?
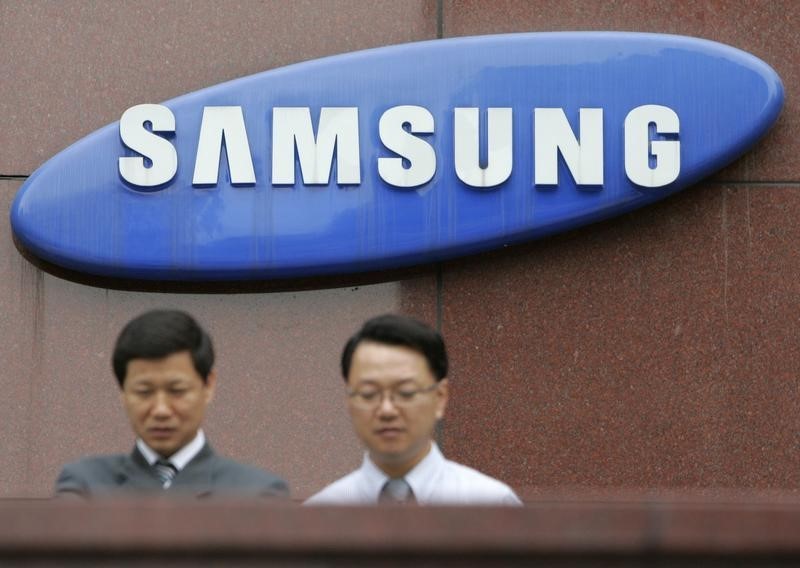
[{"x": 658, "y": 350}]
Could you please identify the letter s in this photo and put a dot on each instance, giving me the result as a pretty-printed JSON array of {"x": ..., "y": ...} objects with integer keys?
[{"x": 160, "y": 151}]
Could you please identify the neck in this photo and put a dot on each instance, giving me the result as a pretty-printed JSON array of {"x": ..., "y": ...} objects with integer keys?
[{"x": 397, "y": 469}]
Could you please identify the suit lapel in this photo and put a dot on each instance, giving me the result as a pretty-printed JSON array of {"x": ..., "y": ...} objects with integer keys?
[
  {"x": 198, "y": 475},
  {"x": 136, "y": 473}
]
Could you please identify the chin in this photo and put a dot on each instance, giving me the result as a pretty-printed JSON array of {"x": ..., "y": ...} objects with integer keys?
[
  {"x": 164, "y": 449},
  {"x": 389, "y": 449},
  {"x": 391, "y": 455}
]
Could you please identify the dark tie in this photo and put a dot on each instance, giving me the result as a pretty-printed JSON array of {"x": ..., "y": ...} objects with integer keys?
[
  {"x": 166, "y": 472},
  {"x": 396, "y": 492}
]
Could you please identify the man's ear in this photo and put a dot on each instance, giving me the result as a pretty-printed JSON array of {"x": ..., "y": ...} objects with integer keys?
[
  {"x": 442, "y": 396},
  {"x": 211, "y": 385}
]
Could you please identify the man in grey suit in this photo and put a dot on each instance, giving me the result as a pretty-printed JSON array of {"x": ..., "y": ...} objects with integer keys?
[{"x": 163, "y": 361}]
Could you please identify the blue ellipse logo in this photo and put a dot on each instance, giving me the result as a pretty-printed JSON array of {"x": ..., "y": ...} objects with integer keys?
[{"x": 396, "y": 156}]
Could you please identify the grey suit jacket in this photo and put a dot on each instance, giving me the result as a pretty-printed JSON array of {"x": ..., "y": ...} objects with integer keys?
[{"x": 206, "y": 475}]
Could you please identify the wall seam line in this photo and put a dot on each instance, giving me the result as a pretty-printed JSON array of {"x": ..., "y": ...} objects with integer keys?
[{"x": 440, "y": 19}]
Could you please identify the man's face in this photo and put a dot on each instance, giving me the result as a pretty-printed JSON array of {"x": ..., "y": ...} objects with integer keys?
[
  {"x": 166, "y": 400},
  {"x": 398, "y": 432}
]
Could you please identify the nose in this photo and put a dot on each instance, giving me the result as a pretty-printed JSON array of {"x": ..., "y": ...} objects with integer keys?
[
  {"x": 387, "y": 408},
  {"x": 161, "y": 407}
]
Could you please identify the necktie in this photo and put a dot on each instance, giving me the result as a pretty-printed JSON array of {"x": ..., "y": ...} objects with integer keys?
[
  {"x": 396, "y": 492},
  {"x": 166, "y": 472}
]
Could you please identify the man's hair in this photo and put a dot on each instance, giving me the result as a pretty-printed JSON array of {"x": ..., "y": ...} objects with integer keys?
[
  {"x": 391, "y": 329},
  {"x": 159, "y": 333}
]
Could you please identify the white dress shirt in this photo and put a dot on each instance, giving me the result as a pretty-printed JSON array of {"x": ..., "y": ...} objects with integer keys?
[
  {"x": 434, "y": 481},
  {"x": 180, "y": 458}
]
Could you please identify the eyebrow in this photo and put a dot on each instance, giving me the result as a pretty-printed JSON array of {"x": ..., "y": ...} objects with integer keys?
[
  {"x": 376, "y": 383},
  {"x": 149, "y": 382}
]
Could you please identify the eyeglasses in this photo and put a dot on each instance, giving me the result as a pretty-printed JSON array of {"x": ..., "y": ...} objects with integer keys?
[{"x": 369, "y": 398}]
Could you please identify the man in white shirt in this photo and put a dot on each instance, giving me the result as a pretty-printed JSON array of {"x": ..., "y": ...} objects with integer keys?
[
  {"x": 395, "y": 371},
  {"x": 163, "y": 361}
]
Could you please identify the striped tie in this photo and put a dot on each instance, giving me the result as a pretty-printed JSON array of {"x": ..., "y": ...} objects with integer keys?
[
  {"x": 166, "y": 472},
  {"x": 396, "y": 492}
]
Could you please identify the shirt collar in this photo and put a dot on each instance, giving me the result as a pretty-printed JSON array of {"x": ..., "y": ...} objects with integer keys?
[
  {"x": 180, "y": 458},
  {"x": 422, "y": 478}
]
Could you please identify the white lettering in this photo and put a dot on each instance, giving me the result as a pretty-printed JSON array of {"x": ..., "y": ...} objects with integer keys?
[
  {"x": 552, "y": 133},
  {"x": 158, "y": 150},
  {"x": 419, "y": 154},
  {"x": 219, "y": 122},
  {"x": 639, "y": 149},
  {"x": 338, "y": 129},
  {"x": 499, "y": 148},
  {"x": 649, "y": 160}
]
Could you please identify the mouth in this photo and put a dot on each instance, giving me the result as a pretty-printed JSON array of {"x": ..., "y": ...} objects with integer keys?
[
  {"x": 160, "y": 433},
  {"x": 389, "y": 433}
]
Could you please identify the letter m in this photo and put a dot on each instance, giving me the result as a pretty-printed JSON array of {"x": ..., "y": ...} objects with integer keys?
[{"x": 338, "y": 130}]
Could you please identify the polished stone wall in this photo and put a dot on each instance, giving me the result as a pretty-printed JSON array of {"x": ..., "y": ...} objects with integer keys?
[{"x": 656, "y": 350}]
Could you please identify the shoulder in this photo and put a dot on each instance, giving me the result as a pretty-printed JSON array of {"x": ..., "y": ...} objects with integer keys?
[
  {"x": 347, "y": 490},
  {"x": 247, "y": 477},
  {"x": 96, "y": 465},
  {"x": 81, "y": 476},
  {"x": 470, "y": 486}
]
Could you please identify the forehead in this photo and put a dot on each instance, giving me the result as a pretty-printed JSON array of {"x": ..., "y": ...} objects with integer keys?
[
  {"x": 177, "y": 366},
  {"x": 387, "y": 363}
]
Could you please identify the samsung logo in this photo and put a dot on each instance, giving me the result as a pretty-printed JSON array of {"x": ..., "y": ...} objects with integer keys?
[
  {"x": 396, "y": 156},
  {"x": 648, "y": 162}
]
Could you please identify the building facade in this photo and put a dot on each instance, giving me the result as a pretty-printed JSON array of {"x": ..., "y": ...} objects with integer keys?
[{"x": 657, "y": 350}]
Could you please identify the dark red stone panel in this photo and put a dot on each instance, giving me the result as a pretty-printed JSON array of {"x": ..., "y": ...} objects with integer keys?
[
  {"x": 766, "y": 29},
  {"x": 20, "y": 345},
  {"x": 69, "y": 68},
  {"x": 659, "y": 349},
  {"x": 280, "y": 401}
]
